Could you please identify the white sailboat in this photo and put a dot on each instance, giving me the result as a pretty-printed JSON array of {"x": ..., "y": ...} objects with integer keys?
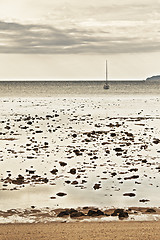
[{"x": 106, "y": 86}]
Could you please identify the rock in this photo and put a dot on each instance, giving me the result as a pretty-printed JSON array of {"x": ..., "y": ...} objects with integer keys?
[
  {"x": 73, "y": 171},
  {"x": 118, "y": 149},
  {"x": 31, "y": 171},
  {"x": 113, "y": 174},
  {"x": 93, "y": 213},
  {"x": 132, "y": 177},
  {"x": 144, "y": 200},
  {"x": 120, "y": 213},
  {"x": 113, "y": 134},
  {"x": 63, "y": 214},
  {"x": 62, "y": 164},
  {"x": 150, "y": 210},
  {"x": 123, "y": 215},
  {"x": 97, "y": 186},
  {"x": 61, "y": 194},
  {"x": 100, "y": 213},
  {"x": 129, "y": 194},
  {"x": 77, "y": 152},
  {"x": 156, "y": 141},
  {"x": 54, "y": 171},
  {"x": 117, "y": 211},
  {"x": 19, "y": 180},
  {"x": 38, "y": 131},
  {"x": 74, "y": 135},
  {"x": 29, "y": 123},
  {"x": 74, "y": 182},
  {"x": 45, "y": 180},
  {"x": 133, "y": 170},
  {"x": 76, "y": 214},
  {"x": 68, "y": 181}
]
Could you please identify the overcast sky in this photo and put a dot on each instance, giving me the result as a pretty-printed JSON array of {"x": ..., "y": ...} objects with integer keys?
[{"x": 70, "y": 39}]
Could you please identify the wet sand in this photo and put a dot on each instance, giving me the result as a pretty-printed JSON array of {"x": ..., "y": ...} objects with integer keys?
[{"x": 86, "y": 231}]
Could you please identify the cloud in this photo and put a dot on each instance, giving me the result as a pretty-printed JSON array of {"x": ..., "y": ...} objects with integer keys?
[{"x": 112, "y": 37}]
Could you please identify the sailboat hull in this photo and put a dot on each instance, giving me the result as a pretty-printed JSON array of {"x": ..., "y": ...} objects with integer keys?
[{"x": 106, "y": 86}]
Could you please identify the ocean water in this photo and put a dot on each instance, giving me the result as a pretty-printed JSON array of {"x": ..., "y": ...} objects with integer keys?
[
  {"x": 76, "y": 88},
  {"x": 43, "y": 123}
]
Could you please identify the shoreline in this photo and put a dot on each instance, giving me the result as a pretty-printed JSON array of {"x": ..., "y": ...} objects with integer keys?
[
  {"x": 87, "y": 231},
  {"x": 85, "y": 214}
]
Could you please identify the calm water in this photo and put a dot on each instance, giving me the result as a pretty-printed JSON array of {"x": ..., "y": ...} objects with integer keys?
[{"x": 80, "y": 88}]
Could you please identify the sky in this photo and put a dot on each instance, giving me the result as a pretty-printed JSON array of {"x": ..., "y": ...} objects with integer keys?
[{"x": 72, "y": 39}]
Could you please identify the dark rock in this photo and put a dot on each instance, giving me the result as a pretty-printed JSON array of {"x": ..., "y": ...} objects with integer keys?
[
  {"x": 144, "y": 161},
  {"x": 61, "y": 194},
  {"x": 156, "y": 141},
  {"x": 150, "y": 210},
  {"x": 129, "y": 194},
  {"x": 63, "y": 213},
  {"x": 72, "y": 210},
  {"x": 123, "y": 215},
  {"x": 67, "y": 181},
  {"x": 29, "y": 123},
  {"x": 117, "y": 211},
  {"x": 96, "y": 186},
  {"x": 74, "y": 135},
  {"x": 93, "y": 213},
  {"x": 74, "y": 183},
  {"x": 62, "y": 164},
  {"x": 113, "y": 134},
  {"x": 73, "y": 171},
  {"x": 77, "y": 152},
  {"x": 113, "y": 174},
  {"x": 144, "y": 200},
  {"x": 45, "y": 180},
  {"x": 133, "y": 169},
  {"x": 118, "y": 149},
  {"x": 54, "y": 171},
  {"x": 132, "y": 177},
  {"x": 19, "y": 180},
  {"x": 100, "y": 213},
  {"x": 76, "y": 214}
]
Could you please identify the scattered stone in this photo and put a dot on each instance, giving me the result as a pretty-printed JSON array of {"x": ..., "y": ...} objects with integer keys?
[
  {"x": 93, "y": 213},
  {"x": 54, "y": 171},
  {"x": 150, "y": 210},
  {"x": 97, "y": 186},
  {"x": 61, "y": 194},
  {"x": 144, "y": 200},
  {"x": 76, "y": 214},
  {"x": 132, "y": 177},
  {"x": 62, "y": 164},
  {"x": 73, "y": 171},
  {"x": 129, "y": 194},
  {"x": 63, "y": 214}
]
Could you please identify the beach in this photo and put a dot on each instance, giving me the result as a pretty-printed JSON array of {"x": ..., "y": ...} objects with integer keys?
[{"x": 83, "y": 231}]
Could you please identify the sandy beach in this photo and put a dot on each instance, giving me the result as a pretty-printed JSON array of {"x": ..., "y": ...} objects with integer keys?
[{"x": 86, "y": 231}]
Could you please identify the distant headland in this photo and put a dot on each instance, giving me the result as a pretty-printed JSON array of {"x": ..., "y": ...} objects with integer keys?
[{"x": 153, "y": 78}]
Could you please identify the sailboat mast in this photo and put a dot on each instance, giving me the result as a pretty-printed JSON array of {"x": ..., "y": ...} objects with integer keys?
[
  {"x": 106, "y": 86},
  {"x": 106, "y": 71}
]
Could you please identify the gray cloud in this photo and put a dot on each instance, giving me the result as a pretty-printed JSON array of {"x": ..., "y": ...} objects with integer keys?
[{"x": 45, "y": 39}]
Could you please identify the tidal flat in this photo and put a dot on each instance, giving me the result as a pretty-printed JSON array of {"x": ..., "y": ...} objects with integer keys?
[{"x": 79, "y": 152}]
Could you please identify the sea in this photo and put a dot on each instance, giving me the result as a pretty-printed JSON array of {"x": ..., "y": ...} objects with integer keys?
[{"x": 76, "y": 88}]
